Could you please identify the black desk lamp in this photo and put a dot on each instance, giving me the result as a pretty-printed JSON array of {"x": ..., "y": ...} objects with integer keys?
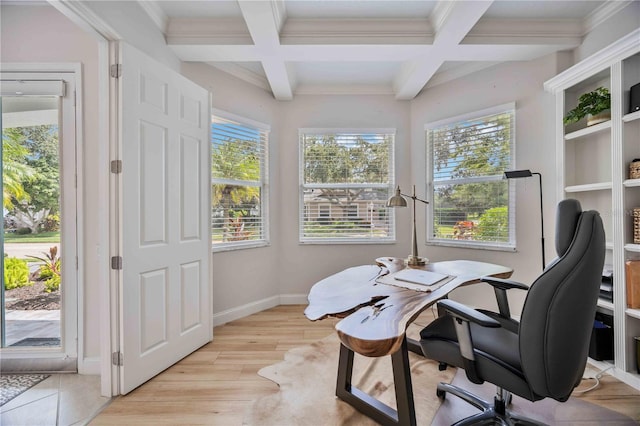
[{"x": 517, "y": 174}]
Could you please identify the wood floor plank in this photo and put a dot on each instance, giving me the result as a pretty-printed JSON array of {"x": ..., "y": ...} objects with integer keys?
[{"x": 217, "y": 383}]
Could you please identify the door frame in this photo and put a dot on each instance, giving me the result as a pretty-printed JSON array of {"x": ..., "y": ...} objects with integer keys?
[{"x": 72, "y": 324}]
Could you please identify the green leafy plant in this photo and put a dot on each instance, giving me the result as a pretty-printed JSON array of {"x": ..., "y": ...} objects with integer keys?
[
  {"x": 16, "y": 273},
  {"x": 51, "y": 269},
  {"x": 493, "y": 225},
  {"x": 590, "y": 103}
]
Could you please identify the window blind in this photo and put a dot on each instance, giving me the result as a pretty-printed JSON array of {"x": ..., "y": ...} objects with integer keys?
[
  {"x": 346, "y": 177},
  {"x": 238, "y": 183},
  {"x": 471, "y": 202}
]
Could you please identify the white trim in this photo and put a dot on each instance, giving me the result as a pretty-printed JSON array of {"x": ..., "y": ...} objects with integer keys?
[
  {"x": 239, "y": 245},
  {"x": 350, "y": 89},
  {"x": 472, "y": 115},
  {"x": 240, "y": 119},
  {"x": 467, "y": 244},
  {"x": 155, "y": 12},
  {"x": 346, "y": 130},
  {"x": 624, "y": 47},
  {"x": 243, "y": 74},
  {"x": 602, "y": 13},
  {"x": 82, "y": 15},
  {"x": 90, "y": 366},
  {"x": 243, "y": 311}
]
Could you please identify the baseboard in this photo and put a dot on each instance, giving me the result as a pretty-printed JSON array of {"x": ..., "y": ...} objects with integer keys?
[
  {"x": 89, "y": 366},
  {"x": 258, "y": 306}
]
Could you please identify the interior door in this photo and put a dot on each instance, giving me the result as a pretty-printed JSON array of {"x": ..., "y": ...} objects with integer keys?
[{"x": 165, "y": 201}]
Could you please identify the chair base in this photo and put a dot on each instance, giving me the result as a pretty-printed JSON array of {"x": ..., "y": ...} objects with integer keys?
[{"x": 495, "y": 414}]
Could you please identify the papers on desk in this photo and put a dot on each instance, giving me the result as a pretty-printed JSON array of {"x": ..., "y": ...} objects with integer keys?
[{"x": 415, "y": 279}]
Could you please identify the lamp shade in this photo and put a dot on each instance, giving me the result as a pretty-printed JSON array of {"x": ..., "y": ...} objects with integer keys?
[
  {"x": 397, "y": 200},
  {"x": 516, "y": 174}
]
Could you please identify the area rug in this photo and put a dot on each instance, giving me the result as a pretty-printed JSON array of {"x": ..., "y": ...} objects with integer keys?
[
  {"x": 12, "y": 385},
  {"x": 307, "y": 380}
]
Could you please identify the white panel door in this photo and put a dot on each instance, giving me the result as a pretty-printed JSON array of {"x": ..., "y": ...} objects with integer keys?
[{"x": 165, "y": 202}]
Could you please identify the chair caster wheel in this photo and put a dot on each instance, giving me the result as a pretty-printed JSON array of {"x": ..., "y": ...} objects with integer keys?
[
  {"x": 441, "y": 394},
  {"x": 442, "y": 366}
]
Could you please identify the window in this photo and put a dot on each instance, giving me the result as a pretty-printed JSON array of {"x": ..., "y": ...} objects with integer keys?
[
  {"x": 471, "y": 202},
  {"x": 346, "y": 177},
  {"x": 238, "y": 182}
]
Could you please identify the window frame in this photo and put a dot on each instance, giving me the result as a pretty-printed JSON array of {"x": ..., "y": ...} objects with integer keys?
[
  {"x": 302, "y": 186},
  {"x": 264, "y": 129},
  {"x": 509, "y": 246}
]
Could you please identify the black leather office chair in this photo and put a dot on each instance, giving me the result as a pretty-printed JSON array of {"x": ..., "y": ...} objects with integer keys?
[{"x": 545, "y": 353}]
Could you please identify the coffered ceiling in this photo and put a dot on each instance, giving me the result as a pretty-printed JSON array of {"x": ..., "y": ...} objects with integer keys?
[{"x": 399, "y": 47}]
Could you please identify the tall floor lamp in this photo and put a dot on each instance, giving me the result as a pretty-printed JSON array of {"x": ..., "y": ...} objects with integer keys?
[
  {"x": 517, "y": 174},
  {"x": 398, "y": 200}
]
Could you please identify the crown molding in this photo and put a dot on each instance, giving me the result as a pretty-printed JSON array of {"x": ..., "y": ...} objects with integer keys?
[
  {"x": 618, "y": 50},
  {"x": 242, "y": 73},
  {"x": 440, "y": 13},
  {"x": 83, "y": 16},
  {"x": 529, "y": 31},
  {"x": 221, "y": 31},
  {"x": 602, "y": 13},
  {"x": 155, "y": 12},
  {"x": 356, "y": 31},
  {"x": 350, "y": 89}
]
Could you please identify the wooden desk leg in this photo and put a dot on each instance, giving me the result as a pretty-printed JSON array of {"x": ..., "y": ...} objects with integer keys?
[{"x": 368, "y": 405}]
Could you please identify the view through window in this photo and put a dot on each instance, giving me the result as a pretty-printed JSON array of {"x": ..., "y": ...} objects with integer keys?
[
  {"x": 471, "y": 200},
  {"x": 346, "y": 177}
]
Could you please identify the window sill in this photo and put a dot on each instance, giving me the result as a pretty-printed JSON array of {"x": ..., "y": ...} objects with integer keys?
[
  {"x": 471, "y": 245},
  {"x": 217, "y": 248}
]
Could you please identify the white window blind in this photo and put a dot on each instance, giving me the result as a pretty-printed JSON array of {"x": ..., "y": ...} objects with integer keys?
[
  {"x": 238, "y": 182},
  {"x": 346, "y": 177},
  {"x": 471, "y": 202}
]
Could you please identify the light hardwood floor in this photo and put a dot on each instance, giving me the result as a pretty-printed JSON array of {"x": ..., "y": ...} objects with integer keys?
[{"x": 218, "y": 382}]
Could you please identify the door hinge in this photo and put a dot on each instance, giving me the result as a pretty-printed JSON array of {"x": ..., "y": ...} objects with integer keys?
[
  {"x": 116, "y": 70},
  {"x": 116, "y": 166},
  {"x": 116, "y": 262},
  {"x": 117, "y": 358}
]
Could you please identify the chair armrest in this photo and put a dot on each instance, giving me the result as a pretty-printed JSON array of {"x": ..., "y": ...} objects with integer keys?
[
  {"x": 500, "y": 287},
  {"x": 504, "y": 284},
  {"x": 465, "y": 313},
  {"x": 462, "y": 316}
]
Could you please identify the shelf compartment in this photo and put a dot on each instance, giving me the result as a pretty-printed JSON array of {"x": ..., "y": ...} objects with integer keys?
[
  {"x": 631, "y": 116},
  {"x": 635, "y": 313},
  {"x": 588, "y": 130},
  {"x": 629, "y": 183},
  {"x": 600, "y": 186},
  {"x": 632, "y": 247},
  {"x": 605, "y": 304}
]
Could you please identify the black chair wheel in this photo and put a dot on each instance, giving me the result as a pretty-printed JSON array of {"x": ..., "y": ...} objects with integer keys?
[
  {"x": 442, "y": 366},
  {"x": 441, "y": 394},
  {"x": 508, "y": 399}
]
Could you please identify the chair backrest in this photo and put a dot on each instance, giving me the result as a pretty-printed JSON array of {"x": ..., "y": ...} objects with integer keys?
[{"x": 558, "y": 313}]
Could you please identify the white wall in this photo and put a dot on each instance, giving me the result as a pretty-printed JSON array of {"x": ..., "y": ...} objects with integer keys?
[
  {"x": 40, "y": 34},
  {"x": 519, "y": 82}
]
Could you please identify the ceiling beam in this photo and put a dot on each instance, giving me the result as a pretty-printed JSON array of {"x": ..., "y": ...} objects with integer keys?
[
  {"x": 264, "y": 20},
  {"x": 452, "y": 26}
]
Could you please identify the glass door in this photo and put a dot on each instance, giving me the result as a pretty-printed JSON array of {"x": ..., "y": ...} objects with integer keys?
[{"x": 35, "y": 330}]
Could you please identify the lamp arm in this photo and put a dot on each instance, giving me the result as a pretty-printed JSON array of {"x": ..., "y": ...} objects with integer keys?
[{"x": 413, "y": 197}]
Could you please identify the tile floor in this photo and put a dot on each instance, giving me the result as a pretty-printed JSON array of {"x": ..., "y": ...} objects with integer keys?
[{"x": 60, "y": 400}]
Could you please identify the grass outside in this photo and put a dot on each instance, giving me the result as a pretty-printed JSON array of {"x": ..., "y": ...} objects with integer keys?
[{"x": 43, "y": 237}]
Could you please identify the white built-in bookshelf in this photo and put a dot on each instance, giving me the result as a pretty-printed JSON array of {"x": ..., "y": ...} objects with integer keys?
[{"x": 593, "y": 167}]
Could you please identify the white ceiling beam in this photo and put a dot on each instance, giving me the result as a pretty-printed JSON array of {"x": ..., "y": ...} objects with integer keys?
[
  {"x": 454, "y": 24},
  {"x": 264, "y": 20}
]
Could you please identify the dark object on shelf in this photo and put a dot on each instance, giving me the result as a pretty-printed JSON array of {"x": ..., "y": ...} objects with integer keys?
[
  {"x": 606, "y": 287},
  {"x": 601, "y": 344},
  {"x": 634, "y": 169},
  {"x": 634, "y": 98},
  {"x": 632, "y": 268}
]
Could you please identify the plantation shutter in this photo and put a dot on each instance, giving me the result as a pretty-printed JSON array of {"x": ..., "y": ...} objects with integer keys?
[
  {"x": 346, "y": 177},
  {"x": 472, "y": 204},
  {"x": 239, "y": 181}
]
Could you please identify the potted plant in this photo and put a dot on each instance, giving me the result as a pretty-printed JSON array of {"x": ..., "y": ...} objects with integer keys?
[{"x": 594, "y": 105}]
